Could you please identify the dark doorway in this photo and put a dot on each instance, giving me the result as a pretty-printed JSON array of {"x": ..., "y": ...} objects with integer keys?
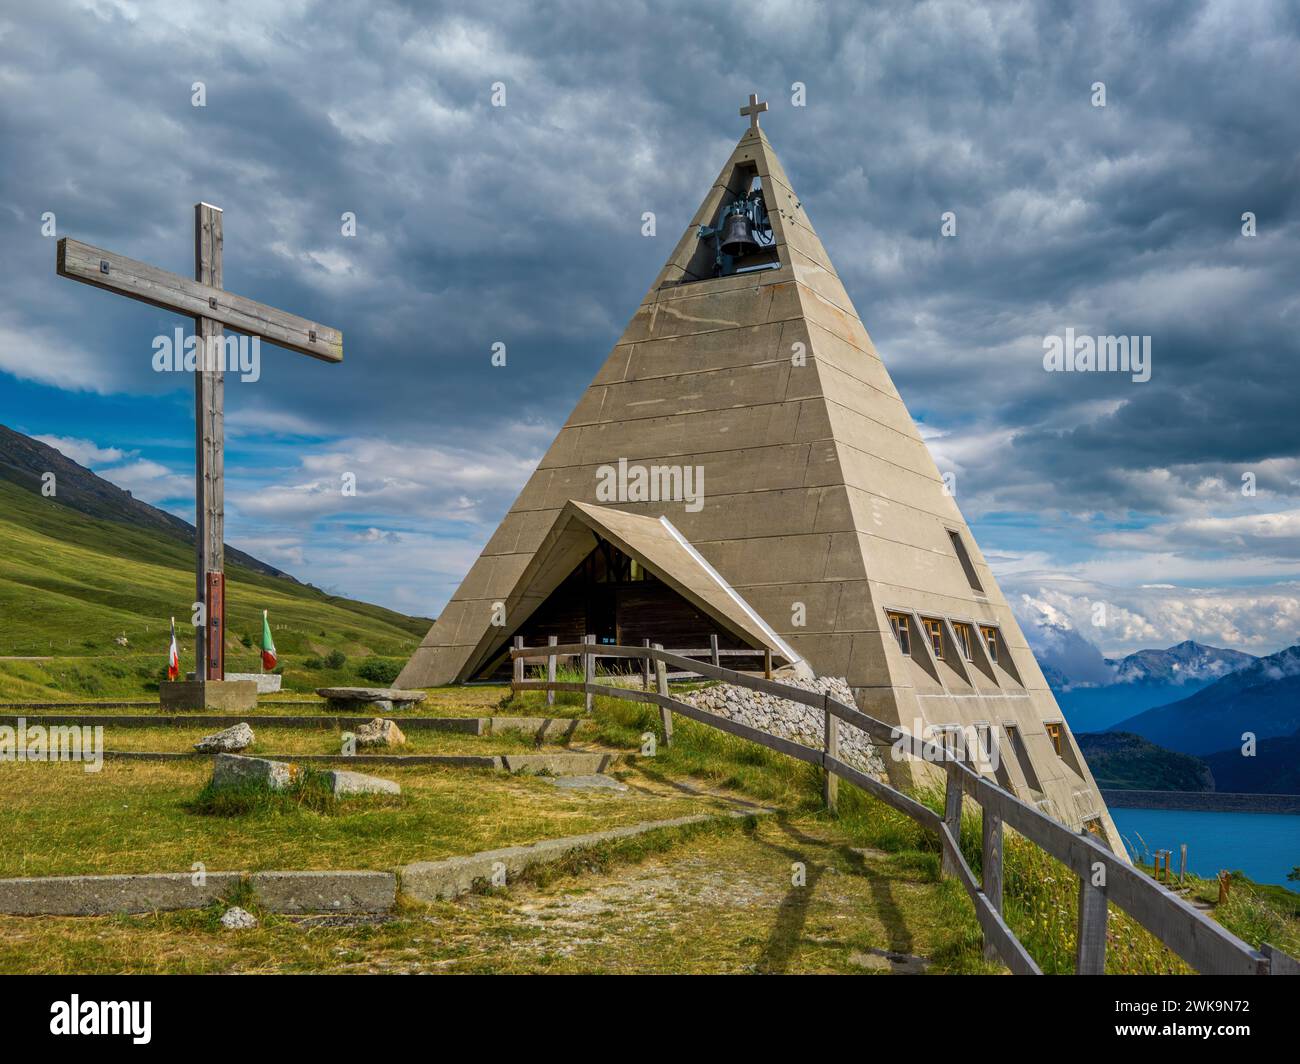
[{"x": 614, "y": 597}]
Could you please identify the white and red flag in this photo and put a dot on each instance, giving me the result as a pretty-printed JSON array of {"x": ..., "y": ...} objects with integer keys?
[{"x": 173, "y": 656}]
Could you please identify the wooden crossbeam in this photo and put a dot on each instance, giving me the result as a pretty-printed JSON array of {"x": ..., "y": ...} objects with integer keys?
[{"x": 170, "y": 291}]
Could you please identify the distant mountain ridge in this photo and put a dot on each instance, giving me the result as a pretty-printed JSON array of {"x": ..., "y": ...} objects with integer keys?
[
  {"x": 1275, "y": 768},
  {"x": 1262, "y": 698},
  {"x": 1097, "y": 692},
  {"x": 1184, "y": 662},
  {"x": 24, "y": 461}
]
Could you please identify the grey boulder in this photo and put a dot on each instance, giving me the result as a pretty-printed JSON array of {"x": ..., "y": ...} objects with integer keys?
[
  {"x": 237, "y": 919},
  {"x": 230, "y": 740},
  {"x": 380, "y": 732},
  {"x": 234, "y": 770},
  {"x": 343, "y": 784}
]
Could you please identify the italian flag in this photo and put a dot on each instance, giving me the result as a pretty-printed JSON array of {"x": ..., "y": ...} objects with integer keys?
[
  {"x": 173, "y": 656},
  {"x": 268, "y": 645}
]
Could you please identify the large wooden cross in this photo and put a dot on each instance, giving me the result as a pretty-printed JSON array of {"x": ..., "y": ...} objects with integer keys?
[{"x": 212, "y": 308}]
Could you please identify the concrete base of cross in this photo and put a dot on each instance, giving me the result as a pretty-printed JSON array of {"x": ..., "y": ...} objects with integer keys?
[{"x": 187, "y": 695}]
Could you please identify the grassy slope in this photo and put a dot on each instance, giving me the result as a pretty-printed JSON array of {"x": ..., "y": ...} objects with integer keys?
[{"x": 70, "y": 584}]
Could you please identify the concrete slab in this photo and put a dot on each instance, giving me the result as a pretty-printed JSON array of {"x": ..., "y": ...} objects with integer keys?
[
  {"x": 569, "y": 764},
  {"x": 103, "y": 895},
  {"x": 429, "y": 881},
  {"x": 314, "y": 892}
]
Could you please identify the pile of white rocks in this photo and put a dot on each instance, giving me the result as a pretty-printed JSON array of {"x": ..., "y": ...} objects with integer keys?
[{"x": 790, "y": 720}]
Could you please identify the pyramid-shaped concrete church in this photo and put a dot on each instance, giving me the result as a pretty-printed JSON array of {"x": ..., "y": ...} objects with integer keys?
[{"x": 742, "y": 465}]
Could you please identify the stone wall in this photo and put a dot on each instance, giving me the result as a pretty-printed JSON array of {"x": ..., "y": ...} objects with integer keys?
[{"x": 790, "y": 720}]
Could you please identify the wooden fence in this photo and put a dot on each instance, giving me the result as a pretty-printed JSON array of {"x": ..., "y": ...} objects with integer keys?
[{"x": 1104, "y": 877}]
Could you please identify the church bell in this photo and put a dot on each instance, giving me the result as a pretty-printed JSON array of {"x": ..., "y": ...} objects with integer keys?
[{"x": 738, "y": 235}]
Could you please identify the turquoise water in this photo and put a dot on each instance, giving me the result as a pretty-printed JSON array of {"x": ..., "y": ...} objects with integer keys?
[{"x": 1266, "y": 846}]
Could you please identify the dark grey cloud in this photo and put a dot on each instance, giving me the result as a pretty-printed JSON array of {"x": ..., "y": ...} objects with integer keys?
[{"x": 522, "y": 224}]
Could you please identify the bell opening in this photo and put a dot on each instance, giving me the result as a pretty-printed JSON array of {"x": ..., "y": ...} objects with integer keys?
[{"x": 740, "y": 238}]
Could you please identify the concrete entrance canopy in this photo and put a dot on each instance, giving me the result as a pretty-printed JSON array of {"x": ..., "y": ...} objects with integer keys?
[{"x": 657, "y": 545}]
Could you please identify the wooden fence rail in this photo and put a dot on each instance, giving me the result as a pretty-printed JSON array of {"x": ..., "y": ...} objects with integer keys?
[{"x": 1104, "y": 877}]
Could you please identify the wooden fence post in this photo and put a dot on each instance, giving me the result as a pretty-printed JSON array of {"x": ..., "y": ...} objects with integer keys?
[
  {"x": 1279, "y": 963},
  {"x": 1090, "y": 957},
  {"x": 831, "y": 744},
  {"x": 589, "y": 669},
  {"x": 1182, "y": 863},
  {"x": 518, "y": 663},
  {"x": 991, "y": 877},
  {"x": 713, "y": 650},
  {"x": 550, "y": 669},
  {"x": 767, "y": 663},
  {"x": 645, "y": 667},
  {"x": 952, "y": 817},
  {"x": 665, "y": 714}
]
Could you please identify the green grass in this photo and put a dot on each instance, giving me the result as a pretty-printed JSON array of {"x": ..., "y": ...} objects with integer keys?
[
  {"x": 71, "y": 584},
  {"x": 135, "y": 816},
  {"x": 713, "y": 899},
  {"x": 321, "y": 739}
]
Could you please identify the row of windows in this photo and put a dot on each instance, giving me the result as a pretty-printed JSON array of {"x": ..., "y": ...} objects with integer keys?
[
  {"x": 952, "y": 738},
  {"x": 902, "y": 626}
]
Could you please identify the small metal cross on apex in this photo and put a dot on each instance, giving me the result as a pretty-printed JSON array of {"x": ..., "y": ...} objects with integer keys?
[{"x": 753, "y": 110}]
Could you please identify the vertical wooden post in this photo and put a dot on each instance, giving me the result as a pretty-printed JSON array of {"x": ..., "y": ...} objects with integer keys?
[
  {"x": 767, "y": 663},
  {"x": 831, "y": 744},
  {"x": 661, "y": 683},
  {"x": 1279, "y": 963},
  {"x": 1090, "y": 957},
  {"x": 1182, "y": 863},
  {"x": 550, "y": 669},
  {"x": 589, "y": 668},
  {"x": 209, "y": 445},
  {"x": 645, "y": 667},
  {"x": 952, "y": 816},
  {"x": 713, "y": 650},
  {"x": 518, "y": 663},
  {"x": 992, "y": 870}
]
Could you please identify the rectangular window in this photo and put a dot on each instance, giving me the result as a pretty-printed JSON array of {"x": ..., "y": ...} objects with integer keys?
[
  {"x": 935, "y": 629},
  {"x": 1054, "y": 733},
  {"x": 902, "y": 631},
  {"x": 990, "y": 635},
  {"x": 962, "y": 632},
  {"x": 968, "y": 567}
]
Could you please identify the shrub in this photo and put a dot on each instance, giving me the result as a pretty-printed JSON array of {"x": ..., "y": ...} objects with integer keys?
[
  {"x": 379, "y": 671},
  {"x": 335, "y": 659},
  {"x": 313, "y": 662}
]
